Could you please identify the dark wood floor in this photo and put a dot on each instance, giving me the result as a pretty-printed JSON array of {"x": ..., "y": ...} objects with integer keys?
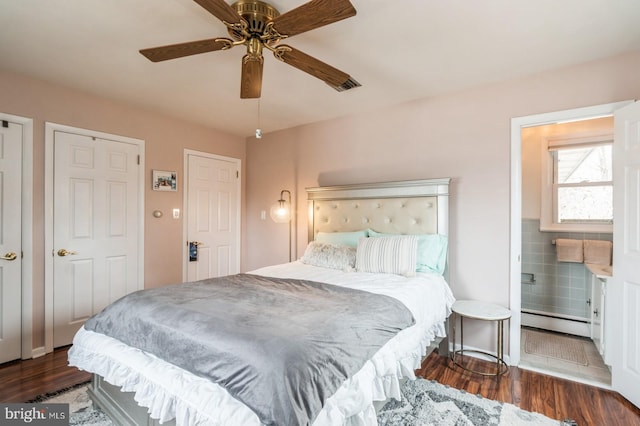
[
  {"x": 22, "y": 381},
  {"x": 556, "y": 398}
]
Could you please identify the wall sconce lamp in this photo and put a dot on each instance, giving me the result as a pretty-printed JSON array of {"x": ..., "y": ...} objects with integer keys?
[{"x": 281, "y": 213}]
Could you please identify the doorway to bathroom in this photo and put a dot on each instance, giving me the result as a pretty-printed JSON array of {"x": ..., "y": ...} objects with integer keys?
[
  {"x": 534, "y": 256},
  {"x": 567, "y": 187},
  {"x": 622, "y": 314}
]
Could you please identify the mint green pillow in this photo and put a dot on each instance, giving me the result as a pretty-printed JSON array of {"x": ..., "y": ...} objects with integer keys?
[
  {"x": 342, "y": 238},
  {"x": 432, "y": 251}
]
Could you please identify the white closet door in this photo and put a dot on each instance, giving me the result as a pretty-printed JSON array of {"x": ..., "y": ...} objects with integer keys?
[
  {"x": 10, "y": 241},
  {"x": 95, "y": 229}
]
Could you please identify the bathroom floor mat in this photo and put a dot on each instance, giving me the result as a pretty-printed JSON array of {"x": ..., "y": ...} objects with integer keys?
[{"x": 555, "y": 346}]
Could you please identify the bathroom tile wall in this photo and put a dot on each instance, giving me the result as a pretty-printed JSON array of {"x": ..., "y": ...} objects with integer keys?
[{"x": 559, "y": 287}]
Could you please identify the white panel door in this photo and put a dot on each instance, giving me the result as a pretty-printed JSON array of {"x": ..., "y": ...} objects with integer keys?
[
  {"x": 212, "y": 216},
  {"x": 10, "y": 241},
  {"x": 624, "y": 288},
  {"x": 95, "y": 235}
]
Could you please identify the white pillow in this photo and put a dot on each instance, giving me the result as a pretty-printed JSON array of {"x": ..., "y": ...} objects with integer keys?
[
  {"x": 388, "y": 255},
  {"x": 330, "y": 256}
]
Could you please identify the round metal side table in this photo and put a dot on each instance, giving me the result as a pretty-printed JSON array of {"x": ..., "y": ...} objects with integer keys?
[{"x": 482, "y": 311}]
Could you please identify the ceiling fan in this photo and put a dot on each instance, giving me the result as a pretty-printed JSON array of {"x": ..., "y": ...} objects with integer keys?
[{"x": 259, "y": 26}]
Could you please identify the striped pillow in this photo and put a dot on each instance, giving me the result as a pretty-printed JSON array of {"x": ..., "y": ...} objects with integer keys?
[{"x": 388, "y": 255}]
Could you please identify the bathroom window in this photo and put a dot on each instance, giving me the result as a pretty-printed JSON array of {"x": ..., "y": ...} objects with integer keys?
[{"x": 578, "y": 184}]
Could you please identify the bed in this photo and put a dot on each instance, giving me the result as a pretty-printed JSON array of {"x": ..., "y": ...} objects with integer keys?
[{"x": 135, "y": 386}]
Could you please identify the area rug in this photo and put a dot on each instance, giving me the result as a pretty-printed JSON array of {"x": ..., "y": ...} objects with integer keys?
[
  {"x": 81, "y": 410},
  {"x": 554, "y": 346},
  {"x": 425, "y": 403}
]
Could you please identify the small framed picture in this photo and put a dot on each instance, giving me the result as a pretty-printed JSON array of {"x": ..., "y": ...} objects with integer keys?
[{"x": 164, "y": 181}]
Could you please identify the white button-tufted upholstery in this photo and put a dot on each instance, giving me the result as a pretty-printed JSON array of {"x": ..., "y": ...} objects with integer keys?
[{"x": 414, "y": 215}]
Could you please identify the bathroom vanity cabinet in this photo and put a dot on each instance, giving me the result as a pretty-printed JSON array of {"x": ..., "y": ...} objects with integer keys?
[
  {"x": 599, "y": 276},
  {"x": 598, "y": 294}
]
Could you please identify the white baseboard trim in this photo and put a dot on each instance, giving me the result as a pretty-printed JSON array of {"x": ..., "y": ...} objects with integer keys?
[
  {"x": 560, "y": 325},
  {"x": 38, "y": 352}
]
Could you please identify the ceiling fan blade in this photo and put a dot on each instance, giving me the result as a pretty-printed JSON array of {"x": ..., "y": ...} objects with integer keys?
[
  {"x": 313, "y": 14},
  {"x": 251, "y": 79},
  {"x": 221, "y": 10},
  {"x": 332, "y": 76},
  {"x": 173, "y": 51}
]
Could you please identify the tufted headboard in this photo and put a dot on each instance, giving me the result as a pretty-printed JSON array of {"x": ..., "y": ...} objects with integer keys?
[{"x": 403, "y": 207}]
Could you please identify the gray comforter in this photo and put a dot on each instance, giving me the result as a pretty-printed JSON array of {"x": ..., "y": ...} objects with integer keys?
[{"x": 280, "y": 346}]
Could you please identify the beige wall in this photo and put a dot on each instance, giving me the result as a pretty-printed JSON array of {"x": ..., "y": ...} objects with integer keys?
[
  {"x": 165, "y": 140},
  {"x": 465, "y": 136}
]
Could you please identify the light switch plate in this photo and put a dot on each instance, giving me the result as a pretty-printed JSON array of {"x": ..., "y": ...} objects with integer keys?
[{"x": 176, "y": 213}]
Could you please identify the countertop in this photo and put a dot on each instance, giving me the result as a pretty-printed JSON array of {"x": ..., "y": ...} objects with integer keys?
[{"x": 600, "y": 271}]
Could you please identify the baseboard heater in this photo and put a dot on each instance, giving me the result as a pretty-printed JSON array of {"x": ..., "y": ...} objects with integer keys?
[{"x": 556, "y": 322}]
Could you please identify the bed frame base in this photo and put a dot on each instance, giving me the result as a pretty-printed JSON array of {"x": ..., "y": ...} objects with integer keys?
[{"x": 120, "y": 406}]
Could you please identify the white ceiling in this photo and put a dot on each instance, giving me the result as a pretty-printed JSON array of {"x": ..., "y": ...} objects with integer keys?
[{"x": 399, "y": 50}]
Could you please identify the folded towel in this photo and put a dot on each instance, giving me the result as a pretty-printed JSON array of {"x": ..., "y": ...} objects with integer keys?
[
  {"x": 598, "y": 252},
  {"x": 569, "y": 250}
]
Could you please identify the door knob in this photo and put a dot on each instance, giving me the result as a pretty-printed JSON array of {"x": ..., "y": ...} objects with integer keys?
[
  {"x": 9, "y": 256},
  {"x": 65, "y": 252}
]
